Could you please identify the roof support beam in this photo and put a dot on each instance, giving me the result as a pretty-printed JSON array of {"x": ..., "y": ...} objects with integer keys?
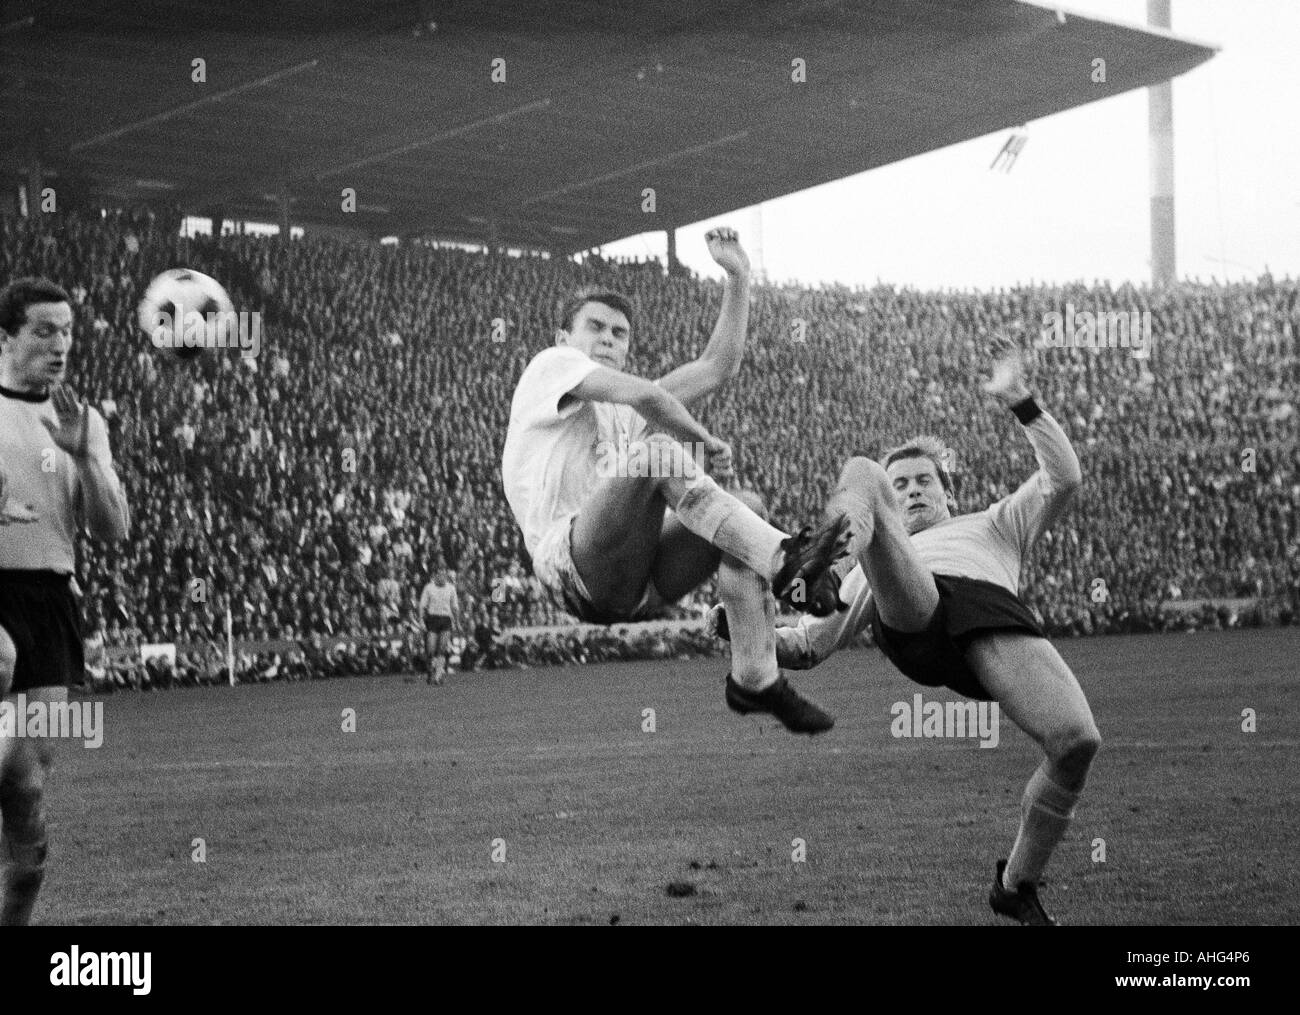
[{"x": 181, "y": 110}]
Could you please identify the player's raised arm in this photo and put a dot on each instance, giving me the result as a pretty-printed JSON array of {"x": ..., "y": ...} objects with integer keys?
[
  {"x": 720, "y": 361},
  {"x": 658, "y": 407},
  {"x": 1045, "y": 496}
]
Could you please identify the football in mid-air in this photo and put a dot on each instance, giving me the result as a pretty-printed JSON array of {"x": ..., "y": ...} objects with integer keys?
[{"x": 185, "y": 312}]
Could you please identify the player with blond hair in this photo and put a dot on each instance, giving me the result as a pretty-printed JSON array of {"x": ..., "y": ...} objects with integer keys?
[{"x": 940, "y": 592}]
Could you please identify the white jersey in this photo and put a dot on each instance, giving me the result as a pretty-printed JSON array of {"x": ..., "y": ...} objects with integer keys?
[
  {"x": 549, "y": 465},
  {"x": 438, "y": 600},
  {"x": 45, "y": 477},
  {"x": 990, "y": 545}
]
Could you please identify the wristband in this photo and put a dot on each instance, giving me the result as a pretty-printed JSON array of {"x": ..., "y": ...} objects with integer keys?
[{"x": 1026, "y": 410}]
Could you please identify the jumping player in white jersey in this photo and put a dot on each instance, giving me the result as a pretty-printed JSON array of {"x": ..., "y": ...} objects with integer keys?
[
  {"x": 940, "y": 592},
  {"x": 594, "y": 459},
  {"x": 60, "y": 480}
]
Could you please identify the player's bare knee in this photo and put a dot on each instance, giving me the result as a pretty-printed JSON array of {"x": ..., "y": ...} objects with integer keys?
[
  {"x": 1072, "y": 752},
  {"x": 21, "y": 791},
  {"x": 866, "y": 478}
]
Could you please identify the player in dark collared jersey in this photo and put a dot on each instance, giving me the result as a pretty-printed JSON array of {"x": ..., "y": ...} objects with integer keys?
[{"x": 59, "y": 480}]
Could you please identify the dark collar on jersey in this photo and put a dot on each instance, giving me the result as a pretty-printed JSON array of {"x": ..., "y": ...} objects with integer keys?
[{"x": 24, "y": 396}]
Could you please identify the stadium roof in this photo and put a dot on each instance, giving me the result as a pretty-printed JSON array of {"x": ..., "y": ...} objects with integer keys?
[{"x": 601, "y": 99}]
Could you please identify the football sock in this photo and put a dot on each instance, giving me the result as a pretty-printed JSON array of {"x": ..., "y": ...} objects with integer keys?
[
  {"x": 751, "y": 619},
  {"x": 1045, "y": 813},
  {"x": 713, "y": 514}
]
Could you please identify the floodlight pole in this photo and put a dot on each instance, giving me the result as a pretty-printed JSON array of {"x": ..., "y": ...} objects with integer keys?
[{"x": 1160, "y": 138}]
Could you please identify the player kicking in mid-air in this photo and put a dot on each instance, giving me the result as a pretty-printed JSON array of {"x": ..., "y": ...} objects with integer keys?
[
  {"x": 593, "y": 460},
  {"x": 40, "y": 625},
  {"x": 940, "y": 593}
]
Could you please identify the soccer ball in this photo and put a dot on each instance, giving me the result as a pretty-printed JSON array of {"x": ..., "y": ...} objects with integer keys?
[{"x": 183, "y": 311}]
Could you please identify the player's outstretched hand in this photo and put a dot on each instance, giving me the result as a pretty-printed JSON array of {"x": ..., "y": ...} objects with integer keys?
[
  {"x": 1008, "y": 373},
  {"x": 725, "y": 248},
  {"x": 72, "y": 432}
]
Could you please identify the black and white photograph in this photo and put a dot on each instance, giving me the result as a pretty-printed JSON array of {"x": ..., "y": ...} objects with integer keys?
[{"x": 782, "y": 463}]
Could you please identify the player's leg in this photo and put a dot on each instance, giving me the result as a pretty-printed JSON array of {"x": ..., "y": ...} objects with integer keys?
[
  {"x": 1035, "y": 687},
  {"x": 902, "y": 586},
  {"x": 8, "y": 659},
  {"x": 615, "y": 535},
  {"x": 619, "y": 529},
  {"x": 684, "y": 561},
  {"x": 23, "y": 844},
  {"x": 430, "y": 652},
  {"x": 444, "y": 653},
  {"x": 617, "y": 532}
]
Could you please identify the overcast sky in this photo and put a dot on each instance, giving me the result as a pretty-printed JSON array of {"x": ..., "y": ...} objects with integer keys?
[{"x": 944, "y": 219}]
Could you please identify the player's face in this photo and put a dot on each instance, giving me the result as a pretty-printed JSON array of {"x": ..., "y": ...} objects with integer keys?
[
  {"x": 37, "y": 356},
  {"x": 601, "y": 332},
  {"x": 922, "y": 500}
]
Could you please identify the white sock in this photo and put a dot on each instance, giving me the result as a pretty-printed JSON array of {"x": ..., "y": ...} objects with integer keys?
[
  {"x": 1045, "y": 813},
  {"x": 751, "y": 621},
  {"x": 713, "y": 514}
]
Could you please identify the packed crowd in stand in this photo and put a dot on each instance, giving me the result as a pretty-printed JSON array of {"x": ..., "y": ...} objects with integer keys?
[{"x": 312, "y": 489}]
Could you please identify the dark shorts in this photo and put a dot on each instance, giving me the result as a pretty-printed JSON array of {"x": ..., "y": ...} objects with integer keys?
[
  {"x": 435, "y": 624},
  {"x": 649, "y": 607},
  {"x": 578, "y": 605},
  {"x": 968, "y": 608},
  {"x": 41, "y": 616}
]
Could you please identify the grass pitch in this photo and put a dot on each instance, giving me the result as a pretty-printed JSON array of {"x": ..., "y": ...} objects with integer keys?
[{"x": 600, "y": 822}]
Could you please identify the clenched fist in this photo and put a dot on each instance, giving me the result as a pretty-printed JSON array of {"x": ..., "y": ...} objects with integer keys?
[{"x": 725, "y": 249}]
